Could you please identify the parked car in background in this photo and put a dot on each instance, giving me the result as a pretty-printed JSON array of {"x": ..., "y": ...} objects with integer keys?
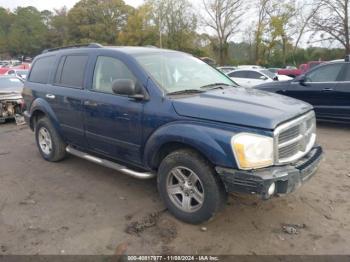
[
  {"x": 226, "y": 69},
  {"x": 11, "y": 101},
  {"x": 303, "y": 68},
  {"x": 326, "y": 87},
  {"x": 18, "y": 72},
  {"x": 253, "y": 77},
  {"x": 150, "y": 112}
]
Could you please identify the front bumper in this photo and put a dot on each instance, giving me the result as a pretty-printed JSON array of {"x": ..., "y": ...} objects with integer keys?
[{"x": 286, "y": 178}]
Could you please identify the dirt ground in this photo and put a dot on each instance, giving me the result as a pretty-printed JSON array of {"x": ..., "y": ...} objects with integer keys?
[{"x": 77, "y": 207}]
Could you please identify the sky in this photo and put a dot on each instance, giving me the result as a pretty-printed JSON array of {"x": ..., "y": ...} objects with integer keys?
[{"x": 51, "y": 4}]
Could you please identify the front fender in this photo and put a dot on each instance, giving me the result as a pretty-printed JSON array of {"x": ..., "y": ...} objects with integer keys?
[
  {"x": 211, "y": 142},
  {"x": 43, "y": 106}
]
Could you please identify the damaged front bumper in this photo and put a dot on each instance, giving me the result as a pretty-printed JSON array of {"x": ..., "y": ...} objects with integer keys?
[
  {"x": 11, "y": 107},
  {"x": 273, "y": 180}
]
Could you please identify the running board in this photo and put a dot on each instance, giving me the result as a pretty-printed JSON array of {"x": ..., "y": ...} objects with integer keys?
[{"x": 110, "y": 164}]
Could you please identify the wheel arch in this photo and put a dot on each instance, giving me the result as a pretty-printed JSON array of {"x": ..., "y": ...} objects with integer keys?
[
  {"x": 41, "y": 108},
  {"x": 201, "y": 139}
]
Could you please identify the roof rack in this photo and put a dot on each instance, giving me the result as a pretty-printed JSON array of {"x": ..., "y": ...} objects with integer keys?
[{"x": 91, "y": 45}]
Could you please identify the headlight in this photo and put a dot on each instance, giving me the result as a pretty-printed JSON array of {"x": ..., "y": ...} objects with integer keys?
[{"x": 252, "y": 151}]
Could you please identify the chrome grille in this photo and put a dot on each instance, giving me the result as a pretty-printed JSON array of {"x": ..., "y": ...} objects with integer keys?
[{"x": 295, "y": 139}]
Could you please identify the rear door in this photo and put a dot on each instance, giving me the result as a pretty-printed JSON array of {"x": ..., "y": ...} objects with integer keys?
[
  {"x": 66, "y": 94},
  {"x": 318, "y": 88}
]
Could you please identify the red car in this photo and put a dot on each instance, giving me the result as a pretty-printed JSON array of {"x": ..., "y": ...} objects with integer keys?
[
  {"x": 24, "y": 66},
  {"x": 303, "y": 68}
]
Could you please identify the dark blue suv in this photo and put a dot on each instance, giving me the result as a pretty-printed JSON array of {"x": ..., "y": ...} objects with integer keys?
[{"x": 151, "y": 112}]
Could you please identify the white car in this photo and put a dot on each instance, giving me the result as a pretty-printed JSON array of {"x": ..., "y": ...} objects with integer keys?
[{"x": 254, "y": 77}]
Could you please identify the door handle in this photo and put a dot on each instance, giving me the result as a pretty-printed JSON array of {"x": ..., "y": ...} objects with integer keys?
[
  {"x": 90, "y": 103},
  {"x": 50, "y": 96},
  {"x": 327, "y": 89}
]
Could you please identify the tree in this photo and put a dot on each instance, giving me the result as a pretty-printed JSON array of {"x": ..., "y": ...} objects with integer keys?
[
  {"x": 260, "y": 27},
  {"x": 224, "y": 17},
  {"x": 304, "y": 14},
  {"x": 27, "y": 33},
  {"x": 6, "y": 19},
  {"x": 58, "y": 34},
  {"x": 332, "y": 19},
  {"x": 97, "y": 21},
  {"x": 140, "y": 29},
  {"x": 176, "y": 23},
  {"x": 281, "y": 25}
]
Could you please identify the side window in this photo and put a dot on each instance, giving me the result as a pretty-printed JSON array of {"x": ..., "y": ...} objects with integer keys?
[
  {"x": 326, "y": 73},
  {"x": 107, "y": 70},
  {"x": 73, "y": 68},
  {"x": 254, "y": 75},
  {"x": 41, "y": 70},
  {"x": 238, "y": 74}
]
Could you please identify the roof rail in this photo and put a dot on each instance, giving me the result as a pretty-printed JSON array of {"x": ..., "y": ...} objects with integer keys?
[{"x": 91, "y": 45}]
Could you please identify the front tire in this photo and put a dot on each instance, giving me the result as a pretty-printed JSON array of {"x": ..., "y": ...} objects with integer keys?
[
  {"x": 190, "y": 187},
  {"x": 51, "y": 146}
]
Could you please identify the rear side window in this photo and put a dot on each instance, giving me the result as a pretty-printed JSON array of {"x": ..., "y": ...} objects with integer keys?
[
  {"x": 254, "y": 75},
  {"x": 41, "y": 70},
  {"x": 239, "y": 74},
  {"x": 70, "y": 71}
]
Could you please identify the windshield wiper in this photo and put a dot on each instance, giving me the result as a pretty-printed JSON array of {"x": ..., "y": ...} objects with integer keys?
[
  {"x": 186, "y": 91},
  {"x": 215, "y": 86}
]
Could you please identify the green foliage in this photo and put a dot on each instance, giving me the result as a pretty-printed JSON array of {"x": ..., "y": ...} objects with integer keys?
[
  {"x": 6, "y": 19},
  {"x": 139, "y": 30},
  {"x": 97, "y": 21},
  {"x": 27, "y": 32}
]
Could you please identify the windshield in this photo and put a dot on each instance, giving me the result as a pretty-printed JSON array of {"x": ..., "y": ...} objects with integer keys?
[
  {"x": 176, "y": 72},
  {"x": 268, "y": 73},
  {"x": 10, "y": 83}
]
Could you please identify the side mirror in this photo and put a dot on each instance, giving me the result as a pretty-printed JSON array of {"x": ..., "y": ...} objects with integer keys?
[
  {"x": 127, "y": 87},
  {"x": 302, "y": 80},
  {"x": 275, "y": 78}
]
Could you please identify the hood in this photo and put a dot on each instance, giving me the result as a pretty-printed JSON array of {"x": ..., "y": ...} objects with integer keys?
[
  {"x": 10, "y": 96},
  {"x": 10, "y": 93},
  {"x": 241, "y": 106}
]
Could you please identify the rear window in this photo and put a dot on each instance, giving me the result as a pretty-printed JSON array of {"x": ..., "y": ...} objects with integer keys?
[
  {"x": 41, "y": 70},
  {"x": 71, "y": 70}
]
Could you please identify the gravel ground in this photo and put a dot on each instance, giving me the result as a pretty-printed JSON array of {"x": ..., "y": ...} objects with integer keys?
[{"x": 77, "y": 207}]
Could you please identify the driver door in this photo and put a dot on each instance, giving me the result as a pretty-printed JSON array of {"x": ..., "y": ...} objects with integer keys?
[{"x": 112, "y": 122}]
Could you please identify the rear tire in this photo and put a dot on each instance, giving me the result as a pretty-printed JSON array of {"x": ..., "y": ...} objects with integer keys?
[
  {"x": 190, "y": 187},
  {"x": 51, "y": 146}
]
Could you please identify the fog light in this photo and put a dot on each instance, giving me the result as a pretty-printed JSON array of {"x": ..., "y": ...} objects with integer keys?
[{"x": 272, "y": 189}]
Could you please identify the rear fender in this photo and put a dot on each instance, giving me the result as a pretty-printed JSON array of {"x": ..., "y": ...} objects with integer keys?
[{"x": 43, "y": 106}]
